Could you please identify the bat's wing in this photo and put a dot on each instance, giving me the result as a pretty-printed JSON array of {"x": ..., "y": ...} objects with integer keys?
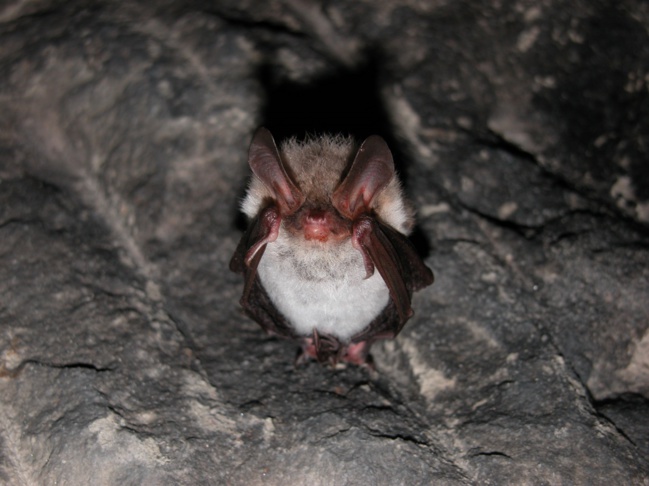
[
  {"x": 256, "y": 303},
  {"x": 402, "y": 269},
  {"x": 260, "y": 308},
  {"x": 416, "y": 274},
  {"x": 261, "y": 231}
]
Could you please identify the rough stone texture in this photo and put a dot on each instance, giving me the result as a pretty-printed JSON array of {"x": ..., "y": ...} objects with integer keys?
[{"x": 521, "y": 129}]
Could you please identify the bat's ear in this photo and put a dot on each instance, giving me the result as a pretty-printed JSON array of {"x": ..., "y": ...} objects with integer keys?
[
  {"x": 371, "y": 171},
  {"x": 266, "y": 163}
]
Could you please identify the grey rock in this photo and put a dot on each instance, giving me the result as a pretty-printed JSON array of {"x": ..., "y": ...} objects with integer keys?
[{"x": 521, "y": 133}]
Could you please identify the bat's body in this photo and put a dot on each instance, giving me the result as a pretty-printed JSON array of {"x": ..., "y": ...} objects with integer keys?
[
  {"x": 323, "y": 217},
  {"x": 316, "y": 287}
]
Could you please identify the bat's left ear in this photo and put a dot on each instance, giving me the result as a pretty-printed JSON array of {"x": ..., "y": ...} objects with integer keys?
[
  {"x": 371, "y": 171},
  {"x": 266, "y": 163}
]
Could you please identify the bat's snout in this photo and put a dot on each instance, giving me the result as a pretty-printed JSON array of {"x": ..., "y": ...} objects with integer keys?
[
  {"x": 323, "y": 225},
  {"x": 316, "y": 224}
]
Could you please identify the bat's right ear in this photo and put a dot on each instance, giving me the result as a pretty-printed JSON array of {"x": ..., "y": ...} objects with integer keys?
[
  {"x": 371, "y": 171},
  {"x": 266, "y": 163}
]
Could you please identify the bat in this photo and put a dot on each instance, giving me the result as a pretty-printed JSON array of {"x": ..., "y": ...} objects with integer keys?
[{"x": 325, "y": 258}]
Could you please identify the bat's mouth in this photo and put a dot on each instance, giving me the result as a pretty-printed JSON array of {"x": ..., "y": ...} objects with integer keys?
[{"x": 322, "y": 225}]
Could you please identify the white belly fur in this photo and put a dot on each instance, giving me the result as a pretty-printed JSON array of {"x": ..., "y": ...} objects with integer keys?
[{"x": 316, "y": 286}]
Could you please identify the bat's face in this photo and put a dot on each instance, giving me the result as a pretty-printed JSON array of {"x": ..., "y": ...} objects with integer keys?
[
  {"x": 322, "y": 185},
  {"x": 318, "y": 224}
]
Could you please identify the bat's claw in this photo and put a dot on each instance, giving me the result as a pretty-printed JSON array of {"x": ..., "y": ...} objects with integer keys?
[{"x": 306, "y": 353}]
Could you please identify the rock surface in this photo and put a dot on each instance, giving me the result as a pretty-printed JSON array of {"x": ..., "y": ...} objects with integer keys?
[{"x": 521, "y": 130}]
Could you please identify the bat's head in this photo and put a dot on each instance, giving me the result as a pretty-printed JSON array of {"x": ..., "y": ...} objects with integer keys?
[{"x": 322, "y": 185}]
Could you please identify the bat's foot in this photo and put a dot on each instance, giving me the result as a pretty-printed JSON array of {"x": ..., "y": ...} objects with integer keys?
[
  {"x": 328, "y": 349},
  {"x": 306, "y": 353},
  {"x": 321, "y": 347},
  {"x": 359, "y": 354}
]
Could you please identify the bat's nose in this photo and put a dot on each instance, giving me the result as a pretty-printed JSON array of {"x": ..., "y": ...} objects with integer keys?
[{"x": 316, "y": 225}]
